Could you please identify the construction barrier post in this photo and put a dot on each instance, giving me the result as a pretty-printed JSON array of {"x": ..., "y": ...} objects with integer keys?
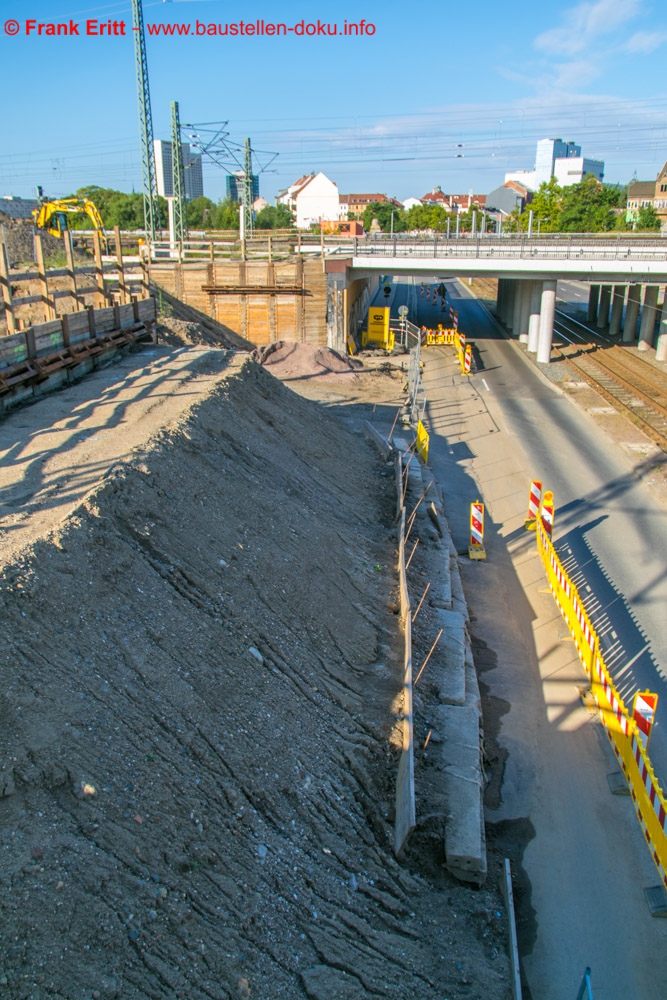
[
  {"x": 644, "y": 708},
  {"x": 476, "y": 548},
  {"x": 467, "y": 360},
  {"x": 547, "y": 513},
  {"x": 534, "y": 501},
  {"x": 423, "y": 439}
]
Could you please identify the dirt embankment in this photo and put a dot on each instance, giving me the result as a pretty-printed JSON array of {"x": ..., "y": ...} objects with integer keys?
[{"x": 199, "y": 675}]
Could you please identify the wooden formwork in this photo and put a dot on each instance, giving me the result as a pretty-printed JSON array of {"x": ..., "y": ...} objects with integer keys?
[
  {"x": 46, "y": 355},
  {"x": 261, "y": 301}
]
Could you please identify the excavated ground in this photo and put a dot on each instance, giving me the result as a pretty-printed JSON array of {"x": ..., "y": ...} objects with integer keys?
[{"x": 199, "y": 691}]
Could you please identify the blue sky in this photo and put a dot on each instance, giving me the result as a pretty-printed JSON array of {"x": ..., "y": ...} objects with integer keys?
[{"x": 440, "y": 93}]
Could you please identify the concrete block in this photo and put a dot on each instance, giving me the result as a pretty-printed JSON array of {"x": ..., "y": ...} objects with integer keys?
[
  {"x": 458, "y": 597},
  {"x": 473, "y": 698},
  {"x": 460, "y": 762},
  {"x": 378, "y": 440},
  {"x": 430, "y": 487},
  {"x": 451, "y": 657}
]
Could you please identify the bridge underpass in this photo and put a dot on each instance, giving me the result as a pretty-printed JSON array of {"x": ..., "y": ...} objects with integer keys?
[{"x": 527, "y": 272}]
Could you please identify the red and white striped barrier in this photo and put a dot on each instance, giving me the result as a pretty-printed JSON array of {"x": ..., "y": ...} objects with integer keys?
[
  {"x": 534, "y": 501},
  {"x": 547, "y": 513},
  {"x": 476, "y": 548}
]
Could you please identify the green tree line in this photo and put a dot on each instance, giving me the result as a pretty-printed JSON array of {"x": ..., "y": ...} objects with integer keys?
[
  {"x": 127, "y": 211},
  {"x": 587, "y": 207}
]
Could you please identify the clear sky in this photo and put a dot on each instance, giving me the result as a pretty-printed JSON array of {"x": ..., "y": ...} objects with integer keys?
[{"x": 437, "y": 93}]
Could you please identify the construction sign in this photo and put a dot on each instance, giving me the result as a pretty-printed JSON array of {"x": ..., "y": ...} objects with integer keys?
[
  {"x": 547, "y": 512},
  {"x": 534, "y": 503},
  {"x": 476, "y": 548},
  {"x": 422, "y": 442},
  {"x": 643, "y": 712}
]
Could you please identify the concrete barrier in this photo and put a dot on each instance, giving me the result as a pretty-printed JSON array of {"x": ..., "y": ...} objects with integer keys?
[{"x": 456, "y": 721}]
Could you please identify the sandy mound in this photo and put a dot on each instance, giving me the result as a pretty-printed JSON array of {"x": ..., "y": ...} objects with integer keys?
[
  {"x": 197, "y": 684},
  {"x": 291, "y": 360}
]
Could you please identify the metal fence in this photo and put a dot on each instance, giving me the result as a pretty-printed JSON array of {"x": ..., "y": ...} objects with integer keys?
[
  {"x": 578, "y": 248},
  {"x": 410, "y": 339}
]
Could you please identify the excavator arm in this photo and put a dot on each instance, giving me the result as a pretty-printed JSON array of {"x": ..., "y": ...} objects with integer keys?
[{"x": 52, "y": 215}]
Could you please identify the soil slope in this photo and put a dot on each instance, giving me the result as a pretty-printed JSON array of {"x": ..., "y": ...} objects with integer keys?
[{"x": 199, "y": 680}]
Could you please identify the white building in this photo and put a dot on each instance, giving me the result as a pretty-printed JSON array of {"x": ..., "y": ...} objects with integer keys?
[
  {"x": 192, "y": 170},
  {"x": 312, "y": 198},
  {"x": 410, "y": 203},
  {"x": 575, "y": 168},
  {"x": 562, "y": 160}
]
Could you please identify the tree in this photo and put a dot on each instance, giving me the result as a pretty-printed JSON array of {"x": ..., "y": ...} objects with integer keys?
[
  {"x": 587, "y": 207},
  {"x": 433, "y": 217},
  {"x": 546, "y": 206},
  {"x": 116, "y": 208},
  {"x": 647, "y": 218},
  {"x": 226, "y": 215},
  {"x": 201, "y": 212},
  {"x": 274, "y": 217},
  {"x": 382, "y": 211}
]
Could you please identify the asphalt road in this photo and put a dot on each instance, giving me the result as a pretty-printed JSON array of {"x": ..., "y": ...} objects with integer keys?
[{"x": 581, "y": 859}]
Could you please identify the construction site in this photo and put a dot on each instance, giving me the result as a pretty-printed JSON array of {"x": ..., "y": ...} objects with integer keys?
[
  {"x": 203, "y": 718},
  {"x": 215, "y": 778},
  {"x": 271, "y": 724}
]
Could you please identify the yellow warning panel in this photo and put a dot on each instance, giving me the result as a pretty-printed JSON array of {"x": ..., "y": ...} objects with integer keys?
[
  {"x": 422, "y": 442},
  {"x": 377, "y": 332}
]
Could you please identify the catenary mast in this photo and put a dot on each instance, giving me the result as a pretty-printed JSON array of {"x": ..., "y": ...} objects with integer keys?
[{"x": 152, "y": 221}]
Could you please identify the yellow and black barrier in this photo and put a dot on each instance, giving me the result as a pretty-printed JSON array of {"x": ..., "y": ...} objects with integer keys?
[
  {"x": 647, "y": 796},
  {"x": 440, "y": 336}
]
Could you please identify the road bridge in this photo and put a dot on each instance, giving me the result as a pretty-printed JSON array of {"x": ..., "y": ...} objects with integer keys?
[{"x": 624, "y": 275}]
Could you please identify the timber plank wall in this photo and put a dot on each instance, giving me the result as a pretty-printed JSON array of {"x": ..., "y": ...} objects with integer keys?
[
  {"x": 261, "y": 301},
  {"x": 49, "y": 355}
]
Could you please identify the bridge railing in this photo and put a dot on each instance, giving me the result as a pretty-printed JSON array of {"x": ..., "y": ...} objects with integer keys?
[{"x": 573, "y": 247}]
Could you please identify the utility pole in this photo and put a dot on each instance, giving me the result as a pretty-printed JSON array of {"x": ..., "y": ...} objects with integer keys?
[
  {"x": 152, "y": 220},
  {"x": 247, "y": 199},
  {"x": 178, "y": 178}
]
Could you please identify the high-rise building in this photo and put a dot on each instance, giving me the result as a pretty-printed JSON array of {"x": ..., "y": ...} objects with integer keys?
[
  {"x": 235, "y": 187},
  {"x": 192, "y": 170},
  {"x": 562, "y": 160}
]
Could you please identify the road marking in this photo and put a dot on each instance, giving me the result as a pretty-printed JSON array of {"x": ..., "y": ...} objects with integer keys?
[{"x": 485, "y": 385}]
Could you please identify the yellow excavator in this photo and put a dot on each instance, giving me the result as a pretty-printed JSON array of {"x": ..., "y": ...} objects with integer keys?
[{"x": 52, "y": 215}]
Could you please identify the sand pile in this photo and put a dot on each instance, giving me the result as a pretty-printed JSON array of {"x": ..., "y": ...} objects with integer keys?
[{"x": 290, "y": 360}]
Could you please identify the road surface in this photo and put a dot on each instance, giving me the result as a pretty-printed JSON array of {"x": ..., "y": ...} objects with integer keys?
[{"x": 585, "y": 860}]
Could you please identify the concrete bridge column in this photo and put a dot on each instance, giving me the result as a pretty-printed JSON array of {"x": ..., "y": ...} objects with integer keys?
[
  {"x": 603, "y": 307},
  {"x": 502, "y": 296},
  {"x": 649, "y": 313},
  {"x": 631, "y": 313},
  {"x": 524, "y": 315},
  {"x": 516, "y": 310},
  {"x": 534, "y": 316},
  {"x": 617, "y": 304},
  {"x": 499, "y": 296},
  {"x": 503, "y": 288},
  {"x": 593, "y": 299},
  {"x": 661, "y": 343},
  {"x": 509, "y": 305},
  {"x": 507, "y": 296},
  {"x": 547, "y": 316}
]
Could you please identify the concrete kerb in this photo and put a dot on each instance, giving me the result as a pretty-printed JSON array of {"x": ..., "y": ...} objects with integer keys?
[{"x": 458, "y": 717}]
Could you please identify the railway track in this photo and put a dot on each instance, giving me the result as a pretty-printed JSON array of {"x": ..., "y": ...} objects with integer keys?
[{"x": 631, "y": 385}]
